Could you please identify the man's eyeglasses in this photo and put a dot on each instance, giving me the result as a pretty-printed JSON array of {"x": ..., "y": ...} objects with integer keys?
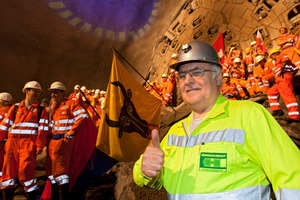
[{"x": 194, "y": 73}]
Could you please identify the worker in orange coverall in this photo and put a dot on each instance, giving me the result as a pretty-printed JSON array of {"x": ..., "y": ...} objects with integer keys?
[
  {"x": 6, "y": 102},
  {"x": 26, "y": 126},
  {"x": 283, "y": 71},
  {"x": 168, "y": 94},
  {"x": 66, "y": 117},
  {"x": 263, "y": 73},
  {"x": 228, "y": 89},
  {"x": 287, "y": 45}
]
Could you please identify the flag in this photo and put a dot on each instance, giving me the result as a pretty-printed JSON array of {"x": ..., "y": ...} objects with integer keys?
[
  {"x": 47, "y": 192},
  {"x": 219, "y": 46},
  {"x": 84, "y": 146},
  {"x": 260, "y": 42},
  {"x": 129, "y": 115}
]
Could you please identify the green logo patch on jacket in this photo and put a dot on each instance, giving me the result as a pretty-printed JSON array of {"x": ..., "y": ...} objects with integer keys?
[{"x": 214, "y": 162}]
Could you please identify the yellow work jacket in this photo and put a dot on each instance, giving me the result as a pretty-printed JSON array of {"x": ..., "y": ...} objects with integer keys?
[{"x": 236, "y": 152}]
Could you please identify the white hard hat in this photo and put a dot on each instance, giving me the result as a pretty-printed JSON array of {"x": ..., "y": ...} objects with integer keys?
[
  {"x": 76, "y": 87},
  {"x": 5, "y": 96},
  {"x": 83, "y": 89},
  {"x": 164, "y": 76},
  {"x": 259, "y": 58},
  {"x": 97, "y": 91},
  {"x": 253, "y": 43},
  {"x": 174, "y": 55},
  {"x": 102, "y": 92},
  {"x": 57, "y": 86},
  {"x": 236, "y": 60},
  {"x": 226, "y": 75},
  {"x": 93, "y": 90},
  {"x": 32, "y": 85}
]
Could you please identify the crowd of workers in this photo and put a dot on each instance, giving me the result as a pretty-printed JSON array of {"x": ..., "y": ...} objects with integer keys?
[
  {"x": 27, "y": 127},
  {"x": 256, "y": 74}
]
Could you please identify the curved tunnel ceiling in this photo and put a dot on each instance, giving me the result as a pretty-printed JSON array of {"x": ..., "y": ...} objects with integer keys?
[{"x": 70, "y": 40}]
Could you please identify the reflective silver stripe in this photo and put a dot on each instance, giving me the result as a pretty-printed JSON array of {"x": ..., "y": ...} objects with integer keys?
[
  {"x": 30, "y": 182},
  {"x": 45, "y": 128},
  {"x": 227, "y": 135},
  {"x": 272, "y": 97},
  {"x": 51, "y": 179},
  {"x": 249, "y": 193},
  {"x": 26, "y": 124},
  {"x": 1, "y": 117},
  {"x": 64, "y": 121},
  {"x": 43, "y": 121},
  {"x": 0, "y": 173},
  {"x": 274, "y": 104},
  {"x": 81, "y": 116},
  {"x": 22, "y": 131},
  {"x": 78, "y": 112},
  {"x": 8, "y": 182},
  {"x": 62, "y": 179},
  {"x": 9, "y": 122},
  {"x": 35, "y": 187},
  {"x": 4, "y": 128},
  {"x": 286, "y": 194},
  {"x": 62, "y": 128},
  {"x": 291, "y": 104},
  {"x": 294, "y": 113}
]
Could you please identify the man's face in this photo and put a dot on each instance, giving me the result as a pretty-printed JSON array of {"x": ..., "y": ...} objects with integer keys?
[
  {"x": 226, "y": 79},
  {"x": 283, "y": 31},
  {"x": 33, "y": 93},
  {"x": 199, "y": 92},
  {"x": 57, "y": 95}
]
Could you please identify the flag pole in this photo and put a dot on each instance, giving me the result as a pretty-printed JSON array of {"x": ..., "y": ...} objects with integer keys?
[
  {"x": 113, "y": 48},
  {"x": 82, "y": 93}
]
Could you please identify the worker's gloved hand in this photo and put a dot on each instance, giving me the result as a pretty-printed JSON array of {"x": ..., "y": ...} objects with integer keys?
[
  {"x": 68, "y": 136},
  {"x": 153, "y": 158}
]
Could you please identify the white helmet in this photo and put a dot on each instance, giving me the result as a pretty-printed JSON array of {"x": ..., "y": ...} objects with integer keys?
[
  {"x": 164, "y": 76},
  {"x": 57, "y": 86},
  {"x": 174, "y": 55},
  {"x": 226, "y": 75},
  {"x": 76, "y": 87},
  {"x": 237, "y": 60},
  {"x": 5, "y": 96},
  {"x": 102, "y": 92},
  {"x": 253, "y": 43},
  {"x": 83, "y": 89},
  {"x": 97, "y": 91},
  {"x": 259, "y": 58},
  {"x": 32, "y": 85}
]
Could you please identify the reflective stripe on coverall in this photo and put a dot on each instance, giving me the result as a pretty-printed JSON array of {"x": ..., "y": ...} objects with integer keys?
[
  {"x": 3, "y": 112},
  {"x": 26, "y": 135},
  {"x": 68, "y": 117},
  {"x": 237, "y": 152}
]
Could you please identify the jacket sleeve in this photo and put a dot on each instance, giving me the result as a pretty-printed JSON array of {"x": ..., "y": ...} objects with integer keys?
[
  {"x": 6, "y": 123},
  {"x": 144, "y": 181},
  {"x": 80, "y": 115},
  {"x": 275, "y": 152},
  {"x": 43, "y": 130}
]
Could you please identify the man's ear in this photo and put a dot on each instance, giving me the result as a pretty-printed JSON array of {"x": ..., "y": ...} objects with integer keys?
[{"x": 219, "y": 79}]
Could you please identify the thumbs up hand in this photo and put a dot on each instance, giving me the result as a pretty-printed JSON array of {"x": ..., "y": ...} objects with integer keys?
[{"x": 153, "y": 158}]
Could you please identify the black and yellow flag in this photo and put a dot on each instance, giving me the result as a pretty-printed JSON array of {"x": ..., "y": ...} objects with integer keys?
[{"x": 129, "y": 115}]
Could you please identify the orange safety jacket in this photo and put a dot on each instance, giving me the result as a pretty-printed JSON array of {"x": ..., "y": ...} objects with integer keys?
[
  {"x": 3, "y": 112},
  {"x": 287, "y": 43},
  {"x": 27, "y": 133},
  {"x": 68, "y": 117},
  {"x": 229, "y": 91}
]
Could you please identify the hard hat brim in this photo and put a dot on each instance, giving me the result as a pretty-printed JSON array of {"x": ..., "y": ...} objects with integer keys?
[{"x": 178, "y": 64}]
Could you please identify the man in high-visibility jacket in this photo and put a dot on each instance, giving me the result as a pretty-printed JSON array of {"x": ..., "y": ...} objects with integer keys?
[
  {"x": 6, "y": 102},
  {"x": 66, "y": 117},
  {"x": 228, "y": 150},
  {"x": 26, "y": 125}
]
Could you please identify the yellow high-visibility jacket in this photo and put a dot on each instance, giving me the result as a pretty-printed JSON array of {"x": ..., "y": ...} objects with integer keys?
[{"x": 236, "y": 152}]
